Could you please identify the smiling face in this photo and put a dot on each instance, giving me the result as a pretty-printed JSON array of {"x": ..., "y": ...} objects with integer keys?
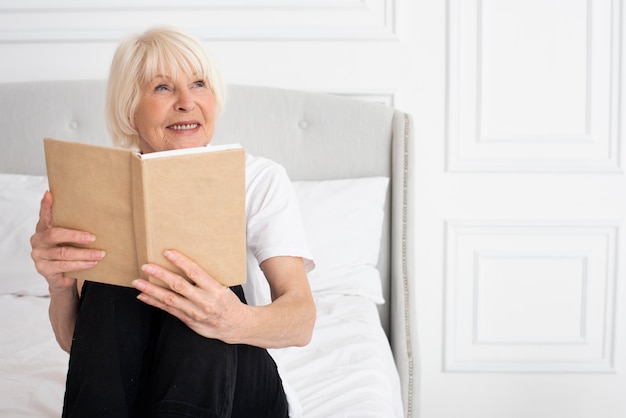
[{"x": 174, "y": 113}]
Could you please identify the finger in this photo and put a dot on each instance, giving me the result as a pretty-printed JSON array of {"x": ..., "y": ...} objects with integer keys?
[
  {"x": 192, "y": 270},
  {"x": 54, "y": 236},
  {"x": 45, "y": 212},
  {"x": 55, "y": 260},
  {"x": 164, "y": 299},
  {"x": 49, "y": 268},
  {"x": 168, "y": 306},
  {"x": 45, "y": 248},
  {"x": 48, "y": 234},
  {"x": 51, "y": 259},
  {"x": 58, "y": 235},
  {"x": 174, "y": 281},
  {"x": 67, "y": 253}
]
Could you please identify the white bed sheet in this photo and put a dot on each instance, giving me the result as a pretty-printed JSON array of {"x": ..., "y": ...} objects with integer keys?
[
  {"x": 32, "y": 366},
  {"x": 346, "y": 371}
]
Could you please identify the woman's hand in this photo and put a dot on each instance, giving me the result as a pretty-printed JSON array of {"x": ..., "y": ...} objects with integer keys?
[
  {"x": 206, "y": 306},
  {"x": 214, "y": 311},
  {"x": 54, "y": 251}
]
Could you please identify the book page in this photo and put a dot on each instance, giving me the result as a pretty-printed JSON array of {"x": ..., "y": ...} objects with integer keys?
[{"x": 187, "y": 151}]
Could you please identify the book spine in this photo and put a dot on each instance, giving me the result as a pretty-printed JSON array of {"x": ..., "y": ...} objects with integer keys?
[{"x": 139, "y": 212}]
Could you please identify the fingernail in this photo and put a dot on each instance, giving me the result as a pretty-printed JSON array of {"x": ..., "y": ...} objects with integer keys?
[
  {"x": 167, "y": 253},
  {"x": 138, "y": 284},
  {"x": 148, "y": 269}
]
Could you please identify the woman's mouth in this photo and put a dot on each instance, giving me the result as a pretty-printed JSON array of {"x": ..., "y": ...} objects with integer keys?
[{"x": 183, "y": 126}]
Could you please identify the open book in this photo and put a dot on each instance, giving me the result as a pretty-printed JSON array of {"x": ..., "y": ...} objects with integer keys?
[{"x": 138, "y": 206}]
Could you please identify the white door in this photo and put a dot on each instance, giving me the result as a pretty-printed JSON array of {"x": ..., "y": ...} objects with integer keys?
[{"x": 521, "y": 202}]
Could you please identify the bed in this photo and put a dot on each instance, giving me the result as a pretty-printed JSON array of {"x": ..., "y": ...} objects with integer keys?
[{"x": 351, "y": 166}]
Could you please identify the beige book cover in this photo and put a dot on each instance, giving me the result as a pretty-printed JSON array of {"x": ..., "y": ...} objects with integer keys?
[{"x": 137, "y": 206}]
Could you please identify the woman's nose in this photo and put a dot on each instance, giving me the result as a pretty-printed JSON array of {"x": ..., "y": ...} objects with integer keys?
[{"x": 184, "y": 102}]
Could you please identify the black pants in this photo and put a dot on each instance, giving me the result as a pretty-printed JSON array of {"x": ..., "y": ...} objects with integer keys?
[{"x": 132, "y": 360}]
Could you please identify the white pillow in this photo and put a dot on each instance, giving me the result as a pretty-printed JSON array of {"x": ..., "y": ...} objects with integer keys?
[
  {"x": 343, "y": 220},
  {"x": 20, "y": 196}
]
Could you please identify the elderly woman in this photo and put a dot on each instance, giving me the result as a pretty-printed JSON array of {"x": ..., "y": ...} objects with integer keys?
[{"x": 194, "y": 350}]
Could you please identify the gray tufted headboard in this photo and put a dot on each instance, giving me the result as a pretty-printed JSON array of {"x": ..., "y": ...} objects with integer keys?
[{"x": 314, "y": 136}]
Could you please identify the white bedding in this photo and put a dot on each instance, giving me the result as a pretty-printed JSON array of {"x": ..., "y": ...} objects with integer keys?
[
  {"x": 346, "y": 371},
  {"x": 32, "y": 366}
]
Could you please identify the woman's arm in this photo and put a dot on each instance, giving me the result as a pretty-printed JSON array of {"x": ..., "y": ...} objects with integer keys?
[
  {"x": 53, "y": 254},
  {"x": 62, "y": 312},
  {"x": 214, "y": 311},
  {"x": 291, "y": 315}
]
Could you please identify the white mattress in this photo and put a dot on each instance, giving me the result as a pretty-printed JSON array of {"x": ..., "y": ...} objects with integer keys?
[{"x": 346, "y": 371}]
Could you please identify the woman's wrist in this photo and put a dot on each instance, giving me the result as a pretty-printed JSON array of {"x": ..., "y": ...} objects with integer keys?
[{"x": 62, "y": 291}]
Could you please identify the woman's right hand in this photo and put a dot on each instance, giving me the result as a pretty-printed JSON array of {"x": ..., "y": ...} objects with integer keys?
[{"x": 54, "y": 251}]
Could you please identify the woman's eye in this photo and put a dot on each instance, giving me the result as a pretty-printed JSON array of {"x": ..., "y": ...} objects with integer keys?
[
  {"x": 199, "y": 83},
  {"x": 161, "y": 87}
]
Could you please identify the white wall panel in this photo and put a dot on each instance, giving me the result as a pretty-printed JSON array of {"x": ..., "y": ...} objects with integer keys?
[
  {"x": 530, "y": 296},
  {"x": 349, "y": 47},
  {"x": 533, "y": 85},
  {"x": 100, "y": 20}
]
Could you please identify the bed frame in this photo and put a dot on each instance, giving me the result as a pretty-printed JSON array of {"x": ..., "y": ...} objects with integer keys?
[{"x": 314, "y": 136}]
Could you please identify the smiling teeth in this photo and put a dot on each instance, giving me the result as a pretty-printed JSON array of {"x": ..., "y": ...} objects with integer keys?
[{"x": 184, "y": 127}]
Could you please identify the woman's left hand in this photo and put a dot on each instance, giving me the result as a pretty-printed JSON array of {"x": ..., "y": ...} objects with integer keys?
[{"x": 205, "y": 305}]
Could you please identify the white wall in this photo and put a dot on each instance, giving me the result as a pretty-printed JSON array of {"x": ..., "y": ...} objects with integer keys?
[{"x": 343, "y": 46}]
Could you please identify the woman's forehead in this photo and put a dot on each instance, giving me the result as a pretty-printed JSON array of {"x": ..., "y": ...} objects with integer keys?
[{"x": 170, "y": 73}]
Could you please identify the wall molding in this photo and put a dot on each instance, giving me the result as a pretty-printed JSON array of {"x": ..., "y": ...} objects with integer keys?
[
  {"x": 148, "y": 5},
  {"x": 521, "y": 257},
  {"x": 595, "y": 147},
  {"x": 584, "y": 257},
  {"x": 237, "y": 20}
]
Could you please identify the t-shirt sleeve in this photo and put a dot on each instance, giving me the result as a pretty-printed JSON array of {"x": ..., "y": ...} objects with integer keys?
[{"x": 274, "y": 226}]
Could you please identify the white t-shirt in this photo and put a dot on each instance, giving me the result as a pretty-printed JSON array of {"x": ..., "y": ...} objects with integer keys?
[
  {"x": 274, "y": 228},
  {"x": 274, "y": 224}
]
